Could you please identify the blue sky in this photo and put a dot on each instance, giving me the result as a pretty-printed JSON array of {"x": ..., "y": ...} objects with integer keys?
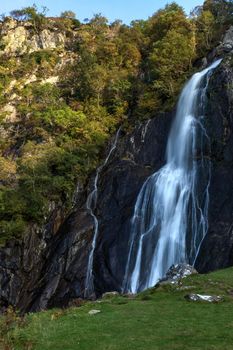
[{"x": 125, "y": 10}]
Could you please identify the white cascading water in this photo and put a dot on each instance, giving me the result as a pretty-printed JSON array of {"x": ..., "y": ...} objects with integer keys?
[
  {"x": 91, "y": 205},
  {"x": 170, "y": 220}
]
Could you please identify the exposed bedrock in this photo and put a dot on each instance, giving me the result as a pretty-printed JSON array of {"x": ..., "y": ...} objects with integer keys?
[{"x": 217, "y": 248}]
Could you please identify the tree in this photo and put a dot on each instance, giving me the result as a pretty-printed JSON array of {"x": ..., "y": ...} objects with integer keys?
[
  {"x": 68, "y": 14},
  {"x": 205, "y": 31},
  {"x": 170, "y": 59},
  {"x": 222, "y": 10},
  {"x": 212, "y": 20},
  {"x": 171, "y": 17},
  {"x": 32, "y": 14},
  {"x": 112, "y": 73},
  {"x": 173, "y": 49},
  {"x": 99, "y": 21}
]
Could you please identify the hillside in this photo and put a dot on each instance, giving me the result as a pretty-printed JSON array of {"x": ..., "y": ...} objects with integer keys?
[
  {"x": 156, "y": 319},
  {"x": 86, "y": 111},
  {"x": 64, "y": 89}
]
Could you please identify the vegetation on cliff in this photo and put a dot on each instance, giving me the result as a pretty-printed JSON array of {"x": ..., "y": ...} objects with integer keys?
[{"x": 68, "y": 86}]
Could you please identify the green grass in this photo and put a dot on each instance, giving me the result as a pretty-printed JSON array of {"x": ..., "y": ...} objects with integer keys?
[{"x": 158, "y": 319}]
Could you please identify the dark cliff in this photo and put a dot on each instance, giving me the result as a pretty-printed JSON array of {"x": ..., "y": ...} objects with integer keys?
[
  {"x": 49, "y": 269},
  {"x": 217, "y": 248}
]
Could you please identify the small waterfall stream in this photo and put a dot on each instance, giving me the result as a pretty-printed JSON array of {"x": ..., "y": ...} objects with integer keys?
[
  {"x": 170, "y": 219},
  {"x": 91, "y": 206}
]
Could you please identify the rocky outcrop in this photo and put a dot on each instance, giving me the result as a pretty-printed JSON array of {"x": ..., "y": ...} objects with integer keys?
[
  {"x": 217, "y": 248},
  {"x": 177, "y": 272},
  {"x": 22, "y": 261},
  {"x": 227, "y": 43},
  {"x": 18, "y": 38}
]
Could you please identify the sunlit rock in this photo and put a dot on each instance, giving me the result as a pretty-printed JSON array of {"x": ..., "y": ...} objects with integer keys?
[{"x": 204, "y": 298}]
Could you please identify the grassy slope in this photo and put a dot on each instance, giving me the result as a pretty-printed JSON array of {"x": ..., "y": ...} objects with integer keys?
[{"x": 156, "y": 319}]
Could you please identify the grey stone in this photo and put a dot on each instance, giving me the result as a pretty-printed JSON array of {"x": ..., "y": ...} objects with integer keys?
[
  {"x": 110, "y": 294},
  {"x": 228, "y": 40},
  {"x": 204, "y": 298},
  {"x": 178, "y": 272},
  {"x": 94, "y": 312}
]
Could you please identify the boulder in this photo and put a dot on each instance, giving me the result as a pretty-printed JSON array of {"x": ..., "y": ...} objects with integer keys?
[
  {"x": 204, "y": 298},
  {"x": 227, "y": 43},
  {"x": 179, "y": 271},
  {"x": 94, "y": 312},
  {"x": 225, "y": 46}
]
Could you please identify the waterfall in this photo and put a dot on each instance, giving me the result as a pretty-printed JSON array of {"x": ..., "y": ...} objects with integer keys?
[
  {"x": 91, "y": 206},
  {"x": 170, "y": 217},
  {"x": 144, "y": 130}
]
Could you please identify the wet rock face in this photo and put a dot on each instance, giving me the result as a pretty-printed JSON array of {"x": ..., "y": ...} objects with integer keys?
[
  {"x": 142, "y": 154},
  {"x": 217, "y": 249}
]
